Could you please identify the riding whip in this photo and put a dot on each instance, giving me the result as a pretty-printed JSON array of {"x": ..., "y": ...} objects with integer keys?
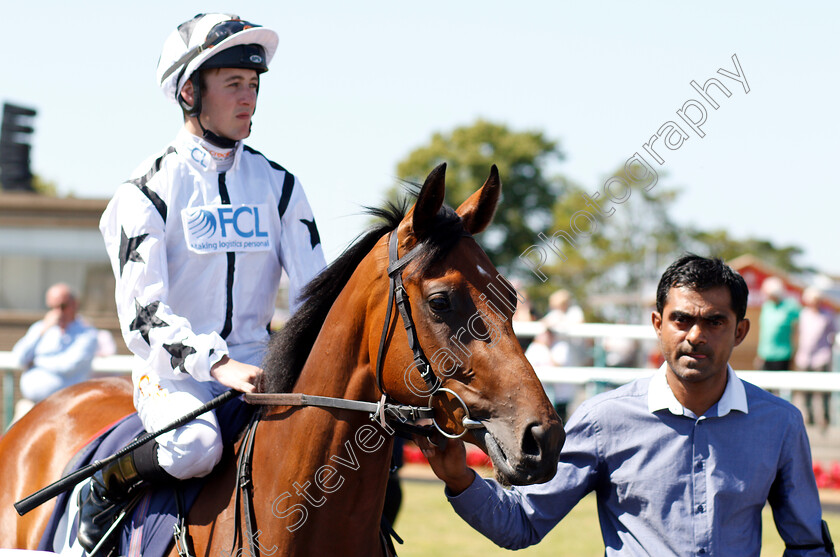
[{"x": 69, "y": 481}]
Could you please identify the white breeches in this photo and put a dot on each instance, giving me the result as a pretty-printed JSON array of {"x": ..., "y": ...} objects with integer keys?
[{"x": 191, "y": 450}]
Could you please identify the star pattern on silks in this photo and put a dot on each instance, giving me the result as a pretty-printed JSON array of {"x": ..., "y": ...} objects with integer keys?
[
  {"x": 146, "y": 319},
  {"x": 128, "y": 248},
  {"x": 314, "y": 237},
  {"x": 179, "y": 352}
]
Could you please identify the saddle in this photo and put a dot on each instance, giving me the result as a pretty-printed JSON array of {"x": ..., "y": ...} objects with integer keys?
[{"x": 148, "y": 532}]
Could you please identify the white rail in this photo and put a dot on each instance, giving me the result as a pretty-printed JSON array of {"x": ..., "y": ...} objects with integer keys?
[
  {"x": 783, "y": 380},
  {"x": 105, "y": 364},
  {"x": 778, "y": 380}
]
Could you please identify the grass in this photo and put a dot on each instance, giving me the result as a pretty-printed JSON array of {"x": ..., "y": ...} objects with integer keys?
[{"x": 429, "y": 526}]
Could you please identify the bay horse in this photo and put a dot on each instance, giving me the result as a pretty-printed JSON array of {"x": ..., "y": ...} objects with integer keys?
[{"x": 319, "y": 474}]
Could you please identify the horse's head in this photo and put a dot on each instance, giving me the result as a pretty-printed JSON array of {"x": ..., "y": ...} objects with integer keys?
[{"x": 462, "y": 310}]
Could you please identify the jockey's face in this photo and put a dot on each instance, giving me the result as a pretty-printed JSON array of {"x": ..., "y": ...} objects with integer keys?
[{"x": 228, "y": 101}]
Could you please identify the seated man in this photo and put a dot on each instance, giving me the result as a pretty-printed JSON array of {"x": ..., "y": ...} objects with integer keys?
[
  {"x": 56, "y": 351},
  {"x": 682, "y": 462}
]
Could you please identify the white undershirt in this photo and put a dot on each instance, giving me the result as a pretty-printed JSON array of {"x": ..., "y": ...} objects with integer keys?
[{"x": 223, "y": 158}]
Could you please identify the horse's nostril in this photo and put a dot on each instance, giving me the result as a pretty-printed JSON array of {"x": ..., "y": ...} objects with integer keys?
[{"x": 533, "y": 440}]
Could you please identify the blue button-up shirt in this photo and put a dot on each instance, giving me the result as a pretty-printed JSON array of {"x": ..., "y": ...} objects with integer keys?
[
  {"x": 668, "y": 482},
  {"x": 55, "y": 358}
]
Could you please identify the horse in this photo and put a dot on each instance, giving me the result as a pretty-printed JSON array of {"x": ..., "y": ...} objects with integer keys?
[{"x": 319, "y": 473}]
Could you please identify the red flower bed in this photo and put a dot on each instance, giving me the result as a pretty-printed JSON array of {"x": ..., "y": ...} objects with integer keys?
[
  {"x": 475, "y": 457},
  {"x": 828, "y": 475}
]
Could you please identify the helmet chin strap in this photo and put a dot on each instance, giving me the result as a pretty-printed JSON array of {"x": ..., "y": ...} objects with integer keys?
[
  {"x": 194, "y": 111},
  {"x": 217, "y": 140}
]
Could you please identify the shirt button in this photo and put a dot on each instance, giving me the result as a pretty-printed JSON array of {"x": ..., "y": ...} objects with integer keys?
[
  {"x": 700, "y": 508},
  {"x": 700, "y": 465}
]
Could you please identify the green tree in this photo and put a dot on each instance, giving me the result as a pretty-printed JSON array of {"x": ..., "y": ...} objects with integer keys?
[
  {"x": 608, "y": 248},
  {"x": 41, "y": 186},
  {"x": 523, "y": 159},
  {"x": 719, "y": 243},
  {"x": 44, "y": 187},
  {"x": 614, "y": 251}
]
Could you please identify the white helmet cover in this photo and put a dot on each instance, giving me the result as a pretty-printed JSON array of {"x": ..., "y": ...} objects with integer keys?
[{"x": 192, "y": 44}]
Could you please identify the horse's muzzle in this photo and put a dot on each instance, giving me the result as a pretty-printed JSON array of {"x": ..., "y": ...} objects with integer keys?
[{"x": 535, "y": 458}]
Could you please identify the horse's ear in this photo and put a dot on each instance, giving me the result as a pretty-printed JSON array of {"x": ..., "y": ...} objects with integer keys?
[
  {"x": 429, "y": 201},
  {"x": 477, "y": 211}
]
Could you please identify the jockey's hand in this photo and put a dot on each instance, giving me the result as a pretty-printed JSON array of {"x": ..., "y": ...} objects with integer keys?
[
  {"x": 236, "y": 375},
  {"x": 448, "y": 459}
]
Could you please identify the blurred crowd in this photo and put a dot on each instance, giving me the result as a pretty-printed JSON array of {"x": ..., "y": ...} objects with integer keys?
[
  {"x": 792, "y": 336},
  {"x": 798, "y": 337}
]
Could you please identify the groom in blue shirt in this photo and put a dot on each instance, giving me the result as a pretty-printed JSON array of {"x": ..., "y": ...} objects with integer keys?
[{"x": 683, "y": 462}]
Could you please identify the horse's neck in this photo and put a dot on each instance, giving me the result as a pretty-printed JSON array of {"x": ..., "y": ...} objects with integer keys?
[
  {"x": 333, "y": 464},
  {"x": 339, "y": 364}
]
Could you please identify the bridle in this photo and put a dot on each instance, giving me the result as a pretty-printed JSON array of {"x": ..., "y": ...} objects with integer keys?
[
  {"x": 397, "y": 294},
  {"x": 392, "y": 417},
  {"x": 388, "y": 414}
]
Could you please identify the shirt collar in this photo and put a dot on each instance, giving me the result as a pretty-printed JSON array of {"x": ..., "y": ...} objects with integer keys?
[
  {"x": 660, "y": 396},
  {"x": 194, "y": 150}
]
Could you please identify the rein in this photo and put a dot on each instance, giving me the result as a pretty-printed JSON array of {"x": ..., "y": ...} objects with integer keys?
[{"x": 380, "y": 411}]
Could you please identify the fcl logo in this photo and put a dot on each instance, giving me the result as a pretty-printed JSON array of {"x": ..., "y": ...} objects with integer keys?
[{"x": 223, "y": 228}]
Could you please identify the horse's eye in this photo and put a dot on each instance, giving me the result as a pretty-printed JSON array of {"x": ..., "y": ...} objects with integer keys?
[{"x": 439, "y": 303}]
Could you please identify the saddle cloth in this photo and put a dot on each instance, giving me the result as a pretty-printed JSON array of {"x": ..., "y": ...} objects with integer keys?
[{"x": 148, "y": 532}]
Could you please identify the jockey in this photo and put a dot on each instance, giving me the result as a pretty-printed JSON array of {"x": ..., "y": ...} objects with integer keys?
[{"x": 198, "y": 238}]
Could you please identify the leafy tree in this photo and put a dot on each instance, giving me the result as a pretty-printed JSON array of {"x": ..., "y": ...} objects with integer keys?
[
  {"x": 41, "y": 186},
  {"x": 44, "y": 187},
  {"x": 622, "y": 260},
  {"x": 720, "y": 244},
  {"x": 615, "y": 249},
  {"x": 594, "y": 241},
  {"x": 522, "y": 157}
]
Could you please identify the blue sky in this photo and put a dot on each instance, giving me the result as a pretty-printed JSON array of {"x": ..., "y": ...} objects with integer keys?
[{"x": 355, "y": 86}]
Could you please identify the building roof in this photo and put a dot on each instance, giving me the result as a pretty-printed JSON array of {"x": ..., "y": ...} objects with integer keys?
[{"x": 31, "y": 210}]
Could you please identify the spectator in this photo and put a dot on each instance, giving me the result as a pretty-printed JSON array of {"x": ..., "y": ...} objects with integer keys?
[
  {"x": 561, "y": 315},
  {"x": 524, "y": 309},
  {"x": 544, "y": 350},
  {"x": 816, "y": 336},
  {"x": 105, "y": 344},
  {"x": 56, "y": 351},
  {"x": 620, "y": 352},
  {"x": 561, "y": 312},
  {"x": 776, "y": 324}
]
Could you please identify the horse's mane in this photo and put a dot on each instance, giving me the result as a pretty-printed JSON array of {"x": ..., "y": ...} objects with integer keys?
[{"x": 290, "y": 347}]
